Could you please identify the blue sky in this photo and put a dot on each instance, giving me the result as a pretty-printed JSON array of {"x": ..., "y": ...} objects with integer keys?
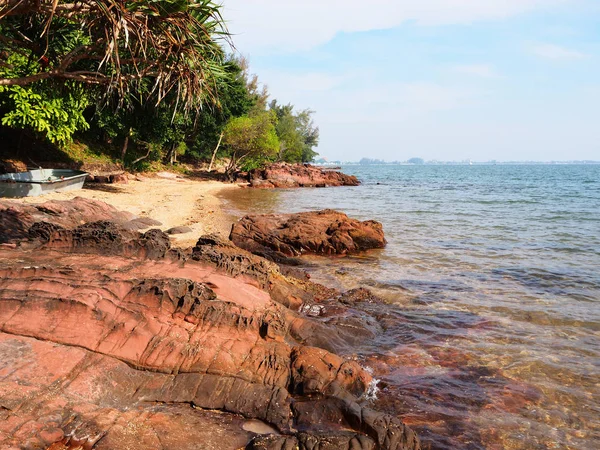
[{"x": 438, "y": 79}]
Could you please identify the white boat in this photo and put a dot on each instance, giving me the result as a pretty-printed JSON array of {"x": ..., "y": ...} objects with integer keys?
[{"x": 40, "y": 181}]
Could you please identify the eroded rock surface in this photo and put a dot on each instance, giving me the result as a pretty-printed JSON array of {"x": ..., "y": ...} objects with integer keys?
[
  {"x": 283, "y": 175},
  {"x": 16, "y": 217},
  {"x": 324, "y": 232},
  {"x": 110, "y": 339}
]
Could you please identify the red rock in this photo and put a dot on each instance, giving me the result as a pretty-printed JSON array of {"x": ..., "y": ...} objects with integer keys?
[
  {"x": 12, "y": 166},
  {"x": 52, "y": 435},
  {"x": 283, "y": 175},
  {"x": 16, "y": 217},
  {"x": 324, "y": 232},
  {"x": 110, "y": 345}
]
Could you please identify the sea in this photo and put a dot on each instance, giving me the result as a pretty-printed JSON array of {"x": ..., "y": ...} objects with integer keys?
[{"x": 491, "y": 277}]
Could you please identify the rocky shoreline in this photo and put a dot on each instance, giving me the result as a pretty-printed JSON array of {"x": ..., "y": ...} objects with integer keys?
[
  {"x": 284, "y": 175},
  {"x": 112, "y": 338}
]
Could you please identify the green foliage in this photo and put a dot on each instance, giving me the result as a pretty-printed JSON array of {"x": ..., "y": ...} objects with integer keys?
[
  {"x": 146, "y": 80},
  {"x": 235, "y": 100},
  {"x": 251, "y": 140},
  {"x": 297, "y": 133},
  {"x": 51, "y": 113},
  {"x": 53, "y": 110}
]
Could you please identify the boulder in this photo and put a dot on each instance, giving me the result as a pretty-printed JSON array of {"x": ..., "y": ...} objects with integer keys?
[
  {"x": 324, "y": 232},
  {"x": 179, "y": 230},
  {"x": 119, "y": 178},
  {"x": 284, "y": 175}
]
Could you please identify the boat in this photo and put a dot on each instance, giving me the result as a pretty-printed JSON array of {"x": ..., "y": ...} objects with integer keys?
[{"x": 40, "y": 181}]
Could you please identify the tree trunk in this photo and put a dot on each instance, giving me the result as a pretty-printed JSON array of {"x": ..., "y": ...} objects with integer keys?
[
  {"x": 124, "y": 150},
  {"x": 212, "y": 160},
  {"x": 230, "y": 170}
]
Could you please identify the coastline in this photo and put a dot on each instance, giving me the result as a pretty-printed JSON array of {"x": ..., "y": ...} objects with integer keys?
[{"x": 213, "y": 326}]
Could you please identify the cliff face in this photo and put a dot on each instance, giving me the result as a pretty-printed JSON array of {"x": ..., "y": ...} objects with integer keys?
[{"x": 111, "y": 339}]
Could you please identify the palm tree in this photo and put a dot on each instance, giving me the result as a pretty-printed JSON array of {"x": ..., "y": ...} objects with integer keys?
[{"x": 153, "y": 48}]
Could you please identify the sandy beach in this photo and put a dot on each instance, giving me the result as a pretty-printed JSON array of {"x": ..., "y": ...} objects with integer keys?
[{"x": 172, "y": 200}]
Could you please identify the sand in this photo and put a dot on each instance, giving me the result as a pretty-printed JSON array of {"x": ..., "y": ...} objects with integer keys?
[{"x": 172, "y": 200}]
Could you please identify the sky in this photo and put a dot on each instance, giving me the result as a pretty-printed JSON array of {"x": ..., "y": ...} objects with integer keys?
[{"x": 506, "y": 80}]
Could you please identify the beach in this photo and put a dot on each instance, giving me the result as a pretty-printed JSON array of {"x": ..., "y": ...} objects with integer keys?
[{"x": 173, "y": 200}]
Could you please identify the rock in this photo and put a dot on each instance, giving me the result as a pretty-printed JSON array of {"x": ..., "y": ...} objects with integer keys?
[
  {"x": 284, "y": 175},
  {"x": 128, "y": 339},
  {"x": 324, "y": 232},
  {"x": 119, "y": 178},
  {"x": 359, "y": 295},
  {"x": 179, "y": 230},
  {"x": 103, "y": 237},
  {"x": 12, "y": 166},
  {"x": 16, "y": 217},
  {"x": 142, "y": 222},
  {"x": 100, "y": 179},
  {"x": 108, "y": 338}
]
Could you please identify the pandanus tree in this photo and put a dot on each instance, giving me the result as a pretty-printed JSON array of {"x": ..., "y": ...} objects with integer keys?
[{"x": 57, "y": 56}]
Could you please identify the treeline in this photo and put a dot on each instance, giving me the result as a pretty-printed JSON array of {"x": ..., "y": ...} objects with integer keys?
[{"x": 146, "y": 80}]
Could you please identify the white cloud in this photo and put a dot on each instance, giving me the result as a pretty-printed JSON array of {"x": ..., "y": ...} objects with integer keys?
[
  {"x": 290, "y": 25},
  {"x": 557, "y": 52},
  {"x": 477, "y": 70}
]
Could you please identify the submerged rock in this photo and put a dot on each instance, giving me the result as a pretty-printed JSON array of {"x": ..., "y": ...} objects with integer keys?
[
  {"x": 284, "y": 175},
  {"x": 324, "y": 232},
  {"x": 108, "y": 338}
]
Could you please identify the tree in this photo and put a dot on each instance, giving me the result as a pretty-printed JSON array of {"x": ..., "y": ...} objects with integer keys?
[
  {"x": 250, "y": 140},
  {"x": 116, "y": 44},
  {"x": 297, "y": 133},
  {"x": 234, "y": 100},
  {"x": 417, "y": 161},
  {"x": 156, "y": 50},
  {"x": 309, "y": 133}
]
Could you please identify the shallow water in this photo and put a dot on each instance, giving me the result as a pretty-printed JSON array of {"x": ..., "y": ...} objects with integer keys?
[{"x": 491, "y": 339}]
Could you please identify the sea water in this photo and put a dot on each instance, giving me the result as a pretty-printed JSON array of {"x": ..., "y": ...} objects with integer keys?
[{"x": 491, "y": 334}]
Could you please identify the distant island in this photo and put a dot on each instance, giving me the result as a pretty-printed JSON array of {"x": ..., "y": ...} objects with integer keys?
[{"x": 415, "y": 161}]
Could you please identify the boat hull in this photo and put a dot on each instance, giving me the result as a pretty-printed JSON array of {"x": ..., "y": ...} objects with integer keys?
[{"x": 40, "y": 181}]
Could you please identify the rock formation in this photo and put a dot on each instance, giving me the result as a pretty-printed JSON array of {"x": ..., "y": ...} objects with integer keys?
[
  {"x": 324, "y": 232},
  {"x": 111, "y": 339},
  {"x": 284, "y": 175},
  {"x": 16, "y": 217}
]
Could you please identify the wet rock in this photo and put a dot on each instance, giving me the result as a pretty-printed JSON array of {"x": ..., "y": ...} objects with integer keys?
[
  {"x": 284, "y": 175},
  {"x": 324, "y": 232},
  {"x": 321, "y": 441},
  {"x": 359, "y": 295}
]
